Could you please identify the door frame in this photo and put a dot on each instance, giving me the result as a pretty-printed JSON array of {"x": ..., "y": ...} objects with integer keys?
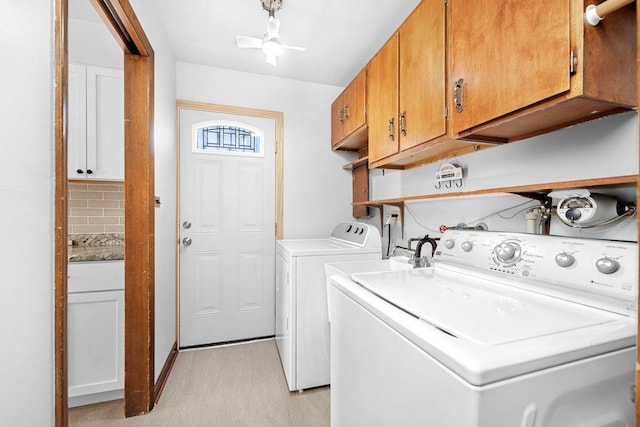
[
  {"x": 121, "y": 20},
  {"x": 278, "y": 117}
]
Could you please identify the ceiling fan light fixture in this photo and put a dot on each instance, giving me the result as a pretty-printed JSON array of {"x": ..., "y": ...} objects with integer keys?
[
  {"x": 271, "y": 48},
  {"x": 271, "y": 60}
]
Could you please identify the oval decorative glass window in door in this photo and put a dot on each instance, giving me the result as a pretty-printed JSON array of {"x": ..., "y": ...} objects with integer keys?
[{"x": 225, "y": 137}]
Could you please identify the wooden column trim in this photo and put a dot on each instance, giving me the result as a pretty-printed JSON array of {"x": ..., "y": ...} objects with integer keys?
[
  {"x": 139, "y": 234},
  {"x": 60, "y": 215},
  {"x": 637, "y": 376}
]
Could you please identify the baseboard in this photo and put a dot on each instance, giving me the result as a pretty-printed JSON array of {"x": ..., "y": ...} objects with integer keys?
[{"x": 166, "y": 370}]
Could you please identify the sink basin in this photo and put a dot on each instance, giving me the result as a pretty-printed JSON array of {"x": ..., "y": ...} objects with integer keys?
[{"x": 371, "y": 266}]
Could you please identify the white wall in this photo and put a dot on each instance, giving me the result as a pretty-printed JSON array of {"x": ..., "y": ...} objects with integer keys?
[
  {"x": 317, "y": 192},
  {"x": 165, "y": 184},
  {"x": 26, "y": 214},
  {"x": 92, "y": 43},
  {"x": 601, "y": 148}
]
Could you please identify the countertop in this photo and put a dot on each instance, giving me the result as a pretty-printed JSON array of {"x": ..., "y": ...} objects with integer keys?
[
  {"x": 95, "y": 253},
  {"x": 95, "y": 247}
]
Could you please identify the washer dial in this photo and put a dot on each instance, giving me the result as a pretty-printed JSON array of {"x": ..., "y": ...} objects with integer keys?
[
  {"x": 565, "y": 260},
  {"x": 607, "y": 265},
  {"x": 508, "y": 252}
]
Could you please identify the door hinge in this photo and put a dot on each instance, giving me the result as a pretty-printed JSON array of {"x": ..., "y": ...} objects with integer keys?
[
  {"x": 446, "y": 111},
  {"x": 573, "y": 62},
  {"x": 458, "y": 95}
]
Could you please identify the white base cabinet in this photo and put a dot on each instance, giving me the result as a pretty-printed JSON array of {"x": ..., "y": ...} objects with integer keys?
[{"x": 95, "y": 334}]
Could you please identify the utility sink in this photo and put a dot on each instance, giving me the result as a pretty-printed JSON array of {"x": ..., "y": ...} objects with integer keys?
[{"x": 370, "y": 266}]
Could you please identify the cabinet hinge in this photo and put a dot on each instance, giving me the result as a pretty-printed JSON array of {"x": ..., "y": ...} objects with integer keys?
[
  {"x": 446, "y": 111},
  {"x": 573, "y": 62},
  {"x": 458, "y": 95},
  {"x": 446, "y": 3}
]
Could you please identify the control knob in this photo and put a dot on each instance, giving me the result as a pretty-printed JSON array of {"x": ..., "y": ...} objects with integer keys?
[
  {"x": 565, "y": 260},
  {"x": 507, "y": 252},
  {"x": 607, "y": 265},
  {"x": 449, "y": 243},
  {"x": 467, "y": 246}
]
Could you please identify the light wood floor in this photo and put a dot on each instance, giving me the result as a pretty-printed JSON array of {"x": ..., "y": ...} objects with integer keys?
[{"x": 241, "y": 385}]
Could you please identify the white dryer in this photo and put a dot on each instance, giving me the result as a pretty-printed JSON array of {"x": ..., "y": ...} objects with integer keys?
[
  {"x": 302, "y": 327},
  {"x": 506, "y": 330}
]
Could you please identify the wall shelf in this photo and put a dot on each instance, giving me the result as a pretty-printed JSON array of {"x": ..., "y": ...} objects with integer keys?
[
  {"x": 534, "y": 191},
  {"x": 361, "y": 161},
  {"x": 530, "y": 190}
]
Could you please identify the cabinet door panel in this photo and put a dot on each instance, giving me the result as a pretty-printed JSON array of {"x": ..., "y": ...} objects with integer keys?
[
  {"x": 422, "y": 74},
  {"x": 105, "y": 125},
  {"x": 355, "y": 103},
  {"x": 510, "y": 55},
  {"x": 337, "y": 125},
  {"x": 95, "y": 342},
  {"x": 383, "y": 101},
  {"x": 77, "y": 122}
]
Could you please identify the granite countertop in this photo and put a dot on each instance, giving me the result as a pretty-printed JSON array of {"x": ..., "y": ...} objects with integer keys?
[{"x": 96, "y": 247}]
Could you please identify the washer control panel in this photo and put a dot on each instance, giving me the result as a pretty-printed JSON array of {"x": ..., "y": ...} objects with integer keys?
[{"x": 603, "y": 268}]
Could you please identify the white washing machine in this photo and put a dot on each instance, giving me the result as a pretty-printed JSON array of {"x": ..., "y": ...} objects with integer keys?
[
  {"x": 505, "y": 330},
  {"x": 302, "y": 327}
]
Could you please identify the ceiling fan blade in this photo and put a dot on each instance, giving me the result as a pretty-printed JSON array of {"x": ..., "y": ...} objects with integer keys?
[
  {"x": 248, "y": 42},
  {"x": 271, "y": 60},
  {"x": 273, "y": 27},
  {"x": 298, "y": 48}
]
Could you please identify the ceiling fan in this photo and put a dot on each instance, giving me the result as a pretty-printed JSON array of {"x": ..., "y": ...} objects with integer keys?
[{"x": 270, "y": 43}]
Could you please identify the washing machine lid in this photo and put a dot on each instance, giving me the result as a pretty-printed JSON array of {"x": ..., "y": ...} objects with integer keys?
[
  {"x": 477, "y": 309},
  {"x": 313, "y": 247},
  {"x": 486, "y": 332}
]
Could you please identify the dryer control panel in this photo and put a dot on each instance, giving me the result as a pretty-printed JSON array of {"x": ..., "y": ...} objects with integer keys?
[{"x": 568, "y": 267}]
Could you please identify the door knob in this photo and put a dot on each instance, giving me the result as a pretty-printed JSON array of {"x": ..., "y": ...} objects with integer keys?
[
  {"x": 186, "y": 241},
  {"x": 186, "y": 225}
]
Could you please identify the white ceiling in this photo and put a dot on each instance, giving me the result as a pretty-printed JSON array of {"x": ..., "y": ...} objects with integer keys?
[{"x": 340, "y": 35}]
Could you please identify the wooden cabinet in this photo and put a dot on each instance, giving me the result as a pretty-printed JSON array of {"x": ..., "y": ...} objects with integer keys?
[
  {"x": 407, "y": 92},
  {"x": 96, "y": 123},
  {"x": 95, "y": 325},
  {"x": 519, "y": 70},
  {"x": 349, "y": 116}
]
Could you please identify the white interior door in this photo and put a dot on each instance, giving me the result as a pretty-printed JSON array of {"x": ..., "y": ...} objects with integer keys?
[{"x": 227, "y": 229}]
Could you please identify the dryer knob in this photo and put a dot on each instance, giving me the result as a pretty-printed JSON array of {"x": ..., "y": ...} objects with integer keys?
[
  {"x": 467, "y": 246},
  {"x": 607, "y": 265},
  {"x": 565, "y": 260},
  {"x": 449, "y": 243}
]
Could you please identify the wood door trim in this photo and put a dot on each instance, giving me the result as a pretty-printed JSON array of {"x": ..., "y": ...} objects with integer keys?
[
  {"x": 139, "y": 206},
  {"x": 60, "y": 214},
  {"x": 278, "y": 116}
]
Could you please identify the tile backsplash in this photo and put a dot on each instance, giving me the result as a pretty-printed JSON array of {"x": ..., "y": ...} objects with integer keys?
[{"x": 96, "y": 208}]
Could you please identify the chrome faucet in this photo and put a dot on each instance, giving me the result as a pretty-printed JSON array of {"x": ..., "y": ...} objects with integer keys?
[{"x": 417, "y": 259}]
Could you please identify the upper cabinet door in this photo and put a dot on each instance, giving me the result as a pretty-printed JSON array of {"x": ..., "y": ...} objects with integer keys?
[
  {"x": 422, "y": 75},
  {"x": 383, "y": 101},
  {"x": 506, "y": 55},
  {"x": 105, "y": 123},
  {"x": 355, "y": 103},
  {"x": 77, "y": 122}
]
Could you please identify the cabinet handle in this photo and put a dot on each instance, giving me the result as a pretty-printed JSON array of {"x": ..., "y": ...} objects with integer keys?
[
  {"x": 458, "y": 95},
  {"x": 80, "y": 171},
  {"x": 391, "y": 128},
  {"x": 403, "y": 123},
  {"x": 341, "y": 116},
  {"x": 346, "y": 111},
  {"x": 89, "y": 171}
]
